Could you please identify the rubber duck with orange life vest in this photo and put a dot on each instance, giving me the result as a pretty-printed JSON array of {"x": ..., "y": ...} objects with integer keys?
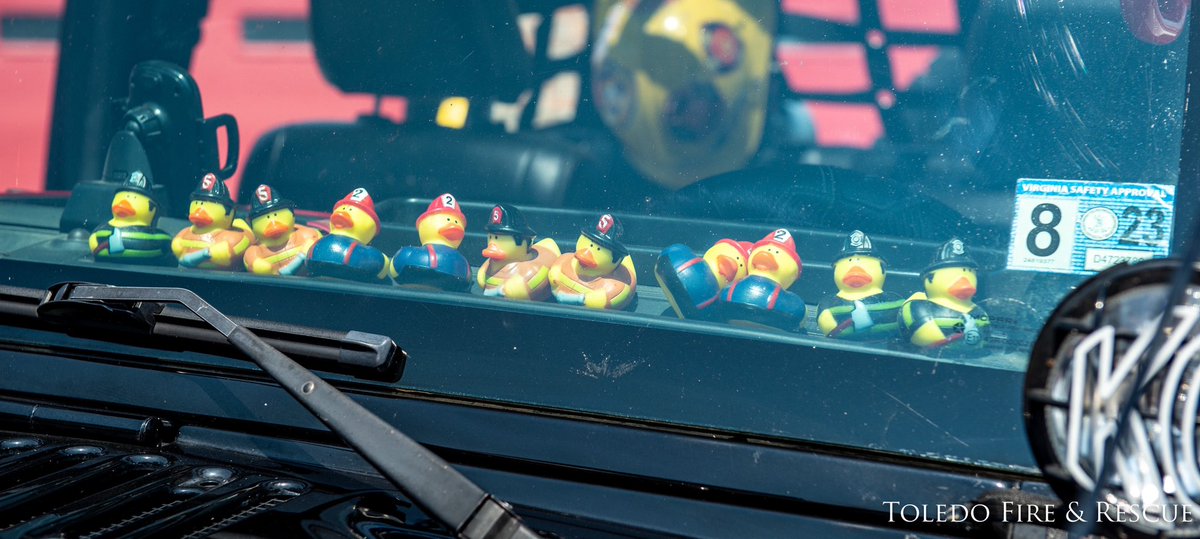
[
  {"x": 132, "y": 235},
  {"x": 861, "y": 309},
  {"x": 282, "y": 245},
  {"x": 693, "y": 283},
  {"x": 515, "y": 266},
  {"x": 945, "y": 317},
  {"x": 762, "y": 298},
  {"x": 436, "y": 262},
  {"x": 217, "y": 239},
  {"x": 600, "y": 273},
  {"x": 346, "y": 253}
]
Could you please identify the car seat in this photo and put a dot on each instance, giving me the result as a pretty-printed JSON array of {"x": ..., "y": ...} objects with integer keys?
[{"x": 462, "y": 48}]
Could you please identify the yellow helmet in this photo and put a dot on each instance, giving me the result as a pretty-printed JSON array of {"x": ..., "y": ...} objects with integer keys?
[{"x": 683, "y": 83}]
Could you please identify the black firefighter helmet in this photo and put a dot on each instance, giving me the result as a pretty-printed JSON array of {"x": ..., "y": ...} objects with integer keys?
[
  {"x": 608, "y": 234},
  {"x": 507, "y": 219}
]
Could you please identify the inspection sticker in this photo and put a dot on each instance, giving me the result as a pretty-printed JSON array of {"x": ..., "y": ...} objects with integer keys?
[{"x": 1070, "y": 226}]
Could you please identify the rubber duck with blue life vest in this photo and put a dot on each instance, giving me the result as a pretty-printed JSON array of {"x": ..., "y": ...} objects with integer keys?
[
  {"x": 515, "y": 266},
  {"x": 600, "y": 273},
  {"x": 132, "y": 235},
  {"x": 945, "y": 317},
  {"x": 762, "y": 298},
  {"x": 861, "y": 309},
  {"x": 693, "y": 283},
  {"x": 217, "y": 239},
  {"x": 346, "y": 253},
  {"x": 436, "y": 263},
  {"x": 282, "y": 245}
]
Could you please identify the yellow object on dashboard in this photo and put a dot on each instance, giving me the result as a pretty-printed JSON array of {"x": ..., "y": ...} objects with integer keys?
[
  {"x": 683, "y": 83},
  {"x": 452, "y": 112}
]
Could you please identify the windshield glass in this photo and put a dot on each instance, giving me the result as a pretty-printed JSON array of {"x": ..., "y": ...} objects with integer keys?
[{"x": 806, "y": 221}]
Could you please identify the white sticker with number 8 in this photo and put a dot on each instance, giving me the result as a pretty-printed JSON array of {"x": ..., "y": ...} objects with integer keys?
[{"x": 1043, "y": 234}]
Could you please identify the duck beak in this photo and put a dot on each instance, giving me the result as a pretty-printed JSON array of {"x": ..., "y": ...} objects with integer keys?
[
  {"x": 494, "y": 253},
  {"x": 341, "y": 220},
  {"x": 962, "y": 289},
  {"x": 123, "y": 209},
  {"x": 763, "y": 261},
  {"x": 200, "y": 218},
  {"x": 451, "y": 232},
  {"x": 856, "y": 278},
  {"x": 275, "y": 229},
  {"x": 586, "y": 259},
  {"x": 727, "y": 267}
]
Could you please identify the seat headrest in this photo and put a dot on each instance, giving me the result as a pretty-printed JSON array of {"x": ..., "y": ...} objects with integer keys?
[{"x": 434, "y": 48}]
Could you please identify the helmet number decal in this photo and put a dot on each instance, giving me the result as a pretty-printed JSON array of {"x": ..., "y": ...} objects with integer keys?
[
  {"x": 263, "y": 193},
  {"x": 208, "y": 182},
  {"x": 781, "y": 235},
  {"x": 605, "y": 224},
  {"x": 359, "y": 195},
  {"x": 448, "y": 201},
  {"x": 497, "y": 215}
]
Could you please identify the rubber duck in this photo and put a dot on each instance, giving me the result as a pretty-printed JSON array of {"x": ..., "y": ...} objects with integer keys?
[
  {"x": 131, "y": 234},
  {"x": 861, "y": 309},
  {"x": 515, "y": 266},
  {"x": 727, "y": 260},
  {"x": 600, "y": 273},
  {"x": 437, "y": 262},
  {"x": 282, "y": 244},
  {"x": 762, "y": 297},
  {"x": 216, "y": 239},
  {"x": 346, "y": 253},
  {"x": 692, "y": 283},
  {"x": 945, "y": 315}
]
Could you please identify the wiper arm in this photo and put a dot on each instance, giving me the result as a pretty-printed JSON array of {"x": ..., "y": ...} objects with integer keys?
[
  {"x": 172, "y": 327},
  {"x": 431, "y": 482}
]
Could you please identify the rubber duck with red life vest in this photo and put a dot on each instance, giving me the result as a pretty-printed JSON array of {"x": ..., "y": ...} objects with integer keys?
[
  {"x": 282, "y": 244},
  {"x": 861, "y": 310},
  {"x": 945, "y": 317},
  {"x": 437, "y": 262},
  {"x": 763, "y": 298},
  {"x": 217, "y": 239},
  {"x": 600, "y": 273},
  {"x": 132, "y": 235},
  {"x": 346, "y": 253},
  {"x": 693, "y": 283},
  {"x": 515, "y": 266}
]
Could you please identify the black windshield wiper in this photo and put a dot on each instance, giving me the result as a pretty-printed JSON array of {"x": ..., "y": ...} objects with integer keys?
[
  {"x": 428, "y": 480},
  {"x": 172, "y": 327}
]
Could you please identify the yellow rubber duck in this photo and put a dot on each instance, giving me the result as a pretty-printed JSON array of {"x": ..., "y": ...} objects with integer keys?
[
  {"x": 763, "y": 298},
  {"x": 946, "y": 314},
  {"x": 442, "y": 224},
  {"x": 436, "y": 263},
  {"x": 600, "y": 273},
  {"x": 131, "y": 233},
  {"x": 727, "y": 260},
  {"x": 346, "y": 252},
  {"x": 282, "y": 245},
  {"x": 775, "y": 258},
  {"x": 860, "y": 309},
  {"x": 514, "y": 268},
  {"x": 216, "y": 240}
]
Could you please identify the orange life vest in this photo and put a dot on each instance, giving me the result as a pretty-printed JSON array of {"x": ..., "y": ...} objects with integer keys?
[
  {"x": 535, "y": 273},
  {"x": 618, "y": 286},
  {"x": 238, "y": 241},
  {"x": 297, "y": 244}
]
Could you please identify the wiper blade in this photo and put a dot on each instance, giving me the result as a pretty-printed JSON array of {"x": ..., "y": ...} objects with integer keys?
[
  {"x": 171, "y": 327},
  {"x": 431, "y": 482}
]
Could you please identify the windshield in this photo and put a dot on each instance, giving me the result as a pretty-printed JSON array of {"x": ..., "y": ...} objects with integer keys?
[{"x": 820, "y": 222}]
